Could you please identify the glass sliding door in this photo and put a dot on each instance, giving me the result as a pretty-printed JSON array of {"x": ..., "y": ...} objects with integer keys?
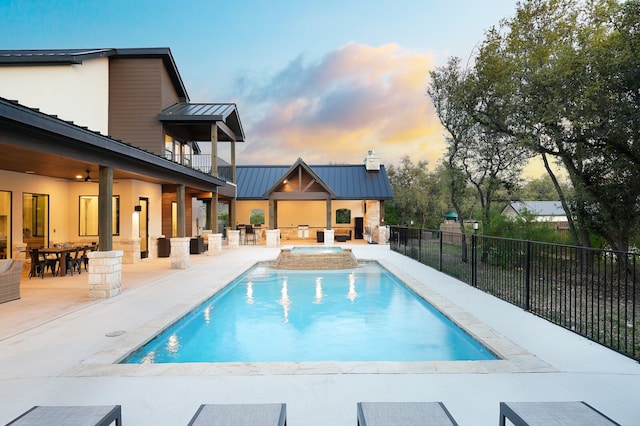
[
  {"x": 35, "y": 220},
  {"x": 5, "y": 224}
]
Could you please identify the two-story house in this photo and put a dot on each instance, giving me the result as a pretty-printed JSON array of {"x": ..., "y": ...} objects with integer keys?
[{"x": 84, "y": 132}]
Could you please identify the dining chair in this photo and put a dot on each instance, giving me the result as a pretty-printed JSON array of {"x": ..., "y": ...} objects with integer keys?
[
  {"x": 75, "y": 259},
  {"x": 249, "y": 232},
  {"x": 37, "y": 266},
  {"x": 40, "y": 263}
]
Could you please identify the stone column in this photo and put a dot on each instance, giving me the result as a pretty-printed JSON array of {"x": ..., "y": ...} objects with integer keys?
[
  {"x": 20, "y": 251},
  {"x": 328, "y": 237},
  {"x": 234, "y": 238},
  {"x": 383, "y": 235},
  {"x": 105, "y": 274},
  {"x": 273, "y": 237},
  {"x": 153, "y": 246},
  {"x": 130, "y": 248},
  {"x": 180, "y": 253},
  {"x": 215, "y": 244}
]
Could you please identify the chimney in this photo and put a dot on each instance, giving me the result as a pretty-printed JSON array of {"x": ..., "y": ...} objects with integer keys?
[{"x": 372, "y": 162}]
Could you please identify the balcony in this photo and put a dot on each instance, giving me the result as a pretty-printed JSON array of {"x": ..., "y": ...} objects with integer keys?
[{"x": 202, "y": 163}]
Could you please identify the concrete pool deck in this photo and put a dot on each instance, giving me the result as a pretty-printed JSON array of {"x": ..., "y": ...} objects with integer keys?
[{"x": 55, "y": 350}]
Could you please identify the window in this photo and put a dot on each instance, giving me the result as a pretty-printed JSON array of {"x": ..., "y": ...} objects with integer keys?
[
  {"x": 35, "y": 219},
  {"x": 343, "y": 216},
  {"x": 88, "y": 226},
  {"x": 256, "y": 217},
  {"x": 187, "y": 154},
  {"x": 168, "y": 147}
]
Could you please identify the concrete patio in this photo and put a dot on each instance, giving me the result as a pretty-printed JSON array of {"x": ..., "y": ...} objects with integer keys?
[{"x": 55, "y": 349}]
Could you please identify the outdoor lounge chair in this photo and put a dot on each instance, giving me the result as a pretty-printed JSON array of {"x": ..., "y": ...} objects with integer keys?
[
  {"x": 404, "y": 414},
  {"x": 240, "y": 415},
  {"x": 552, "y": 413},
  {"x": 70, "y": 415}
]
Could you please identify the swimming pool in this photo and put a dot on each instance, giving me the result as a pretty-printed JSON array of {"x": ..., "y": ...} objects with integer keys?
[{"x": 268, "y": 315}]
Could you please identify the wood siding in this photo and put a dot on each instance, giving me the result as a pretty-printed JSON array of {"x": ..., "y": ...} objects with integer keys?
[
  {"x": 138, "y": 91},
  {"x": 168, "y": 198}
]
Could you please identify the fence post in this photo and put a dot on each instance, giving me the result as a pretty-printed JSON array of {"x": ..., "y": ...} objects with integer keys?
[
  {"x": 440, "y": 253},
  {"x": 420, "y": 246},
  {"x": 527, "y": 277},
  {"x": 474, "y": 261}
]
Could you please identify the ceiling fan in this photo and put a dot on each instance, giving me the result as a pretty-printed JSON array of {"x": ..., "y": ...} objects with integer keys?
[{"x": 88, "y": 177}]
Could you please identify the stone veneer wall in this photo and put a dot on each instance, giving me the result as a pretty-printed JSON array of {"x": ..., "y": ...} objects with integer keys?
[
  {"x": 105, "y": 274},
  {"x": 180, "y": 252},
  {"x": 130, "y": 249},
  {"x": 153, "y": 246},
  {"x": 372, "y": 218}
]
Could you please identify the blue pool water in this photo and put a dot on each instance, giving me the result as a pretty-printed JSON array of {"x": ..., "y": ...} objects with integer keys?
[{"x": 269, "y": 315}]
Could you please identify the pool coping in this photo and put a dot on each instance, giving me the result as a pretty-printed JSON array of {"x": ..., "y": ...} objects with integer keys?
[{"x": 512, "y": 357}]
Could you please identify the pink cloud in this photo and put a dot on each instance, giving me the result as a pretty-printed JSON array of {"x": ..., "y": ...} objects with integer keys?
[{"x": 334, "y": 110}]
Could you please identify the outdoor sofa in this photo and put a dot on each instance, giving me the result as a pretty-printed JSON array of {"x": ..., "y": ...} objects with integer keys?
[{"x": 10, "y": 272}]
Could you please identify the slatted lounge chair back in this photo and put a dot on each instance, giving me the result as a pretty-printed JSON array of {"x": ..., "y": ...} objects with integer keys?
[
  {"x": 102, "y": 415},
  {"x": 404, "y": 414},
  {"x": 569, "y": 413},
  {"x": 240, "y": 415}
]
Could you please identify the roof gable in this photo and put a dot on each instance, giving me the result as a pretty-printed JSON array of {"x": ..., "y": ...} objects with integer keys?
[
  {"x": 346, "y": 182},
  {"x": 298, "y": 179}
]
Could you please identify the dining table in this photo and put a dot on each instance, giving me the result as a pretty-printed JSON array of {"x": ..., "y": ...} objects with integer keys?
[{"x": 62, "y": 253}]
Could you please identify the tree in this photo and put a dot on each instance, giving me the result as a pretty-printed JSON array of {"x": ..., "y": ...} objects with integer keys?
[
  {"x": 541, "y": 189},
  {"x": 478, "y": 154},
  {"x": 417, "y": 195},
  {"x": 563, "y": 77}
]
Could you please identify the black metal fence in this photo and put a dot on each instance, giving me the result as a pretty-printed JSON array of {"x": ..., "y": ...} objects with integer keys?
[{"x": 591, "y": 292}]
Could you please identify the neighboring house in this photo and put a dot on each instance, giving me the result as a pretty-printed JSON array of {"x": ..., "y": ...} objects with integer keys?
[
  {"x": 301, "y": 200},
  {"x": 112, "y": 127},
  {"x": 543, "y": 211}
]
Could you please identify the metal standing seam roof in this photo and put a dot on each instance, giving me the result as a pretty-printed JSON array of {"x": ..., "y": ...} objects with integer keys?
[
  {"x": 89, "y": 140},
  {"x": 540, "y": 208},
  {"x": 202, "y": 113},
  {"x": 60, "y": 56},
  {"x": 197, "y": 111},
  {"x": 348, "y": 182}
]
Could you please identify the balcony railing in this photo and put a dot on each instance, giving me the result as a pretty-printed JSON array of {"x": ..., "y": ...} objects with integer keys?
[
  {"x": 200, "y": 162},
  {"x": 591, "y": 292}
]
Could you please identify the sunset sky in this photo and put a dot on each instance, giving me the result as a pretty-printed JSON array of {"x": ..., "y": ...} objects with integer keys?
[{"x": 325, "y": 81}]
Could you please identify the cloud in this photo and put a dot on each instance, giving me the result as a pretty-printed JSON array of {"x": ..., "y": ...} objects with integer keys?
[{"x": 334, "y": 110}]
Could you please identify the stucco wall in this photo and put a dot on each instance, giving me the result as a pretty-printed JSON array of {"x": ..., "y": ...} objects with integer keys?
[
  {"x": 78, "y": 93},
  {"x": 59, "y": 209},
  {"x": 64, "y": 206},
  {"x": 243, "y": 211}
]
